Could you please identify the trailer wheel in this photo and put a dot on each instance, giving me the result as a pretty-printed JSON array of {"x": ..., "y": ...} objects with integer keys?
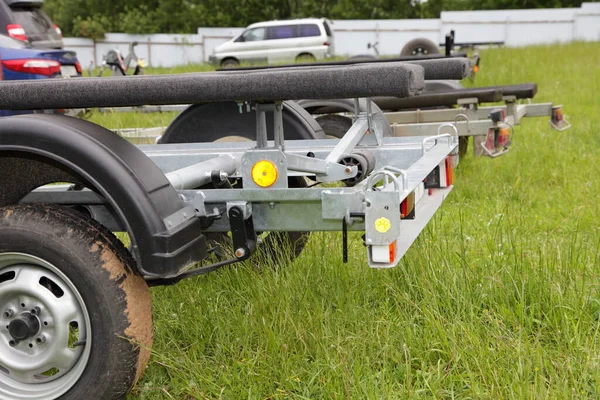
[
  {"x": 76, "y": 320},
  {"x": 334, "y": 125},
  {"x": 419, "y": 46}
]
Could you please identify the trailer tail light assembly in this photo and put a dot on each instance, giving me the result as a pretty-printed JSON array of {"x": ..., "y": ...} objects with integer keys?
[
  {"x": 498, "y": 115},
  {"x": 16, "y": 31},
  {"x": 407, "y": 207},
  {"x": 33, "y": 66},
  {"x": 557, "y": 119},
  {"x": 498, "y": 141},
  {"x": 442, "y": 176},
  {"x": 384, "y": 254}
]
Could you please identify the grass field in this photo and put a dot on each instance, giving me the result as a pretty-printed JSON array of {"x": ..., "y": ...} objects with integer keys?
[{"x": 499, "y": 298}]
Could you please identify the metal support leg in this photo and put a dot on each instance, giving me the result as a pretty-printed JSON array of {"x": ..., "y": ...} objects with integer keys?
[
  {"x": 278, "y": 126},
  {"x": 261, "y": 127}
]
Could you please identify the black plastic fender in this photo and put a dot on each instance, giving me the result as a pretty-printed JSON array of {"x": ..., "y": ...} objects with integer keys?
[
  {"x": 213, "y": 121},
  {"x": 39, "y": 149}
]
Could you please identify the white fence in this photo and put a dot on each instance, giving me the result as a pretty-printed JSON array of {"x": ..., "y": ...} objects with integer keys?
[{"x": 513, "y": 27}]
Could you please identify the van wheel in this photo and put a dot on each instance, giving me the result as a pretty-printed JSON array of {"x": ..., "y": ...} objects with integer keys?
[
  {"x": 230, "y": 63},
  {"x": 419, "y": 47},
  {"x": 75, "y": 318},
  {"x": 305, "y": 58}
]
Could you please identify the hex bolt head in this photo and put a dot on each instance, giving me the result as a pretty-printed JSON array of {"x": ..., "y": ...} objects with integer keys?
[
  {"x": 36, "y": 310},
  {"x": 40, "y": 339},
  {"x": 13, "y": 343},
  {"x": 8, "y": 313},
  {"x": 348, "y": 170},
  {"x": 239, "y": 253}
]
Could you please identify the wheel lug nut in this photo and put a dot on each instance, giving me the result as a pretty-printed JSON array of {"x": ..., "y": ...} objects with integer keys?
[
  {"x": 40, "y": 339},
  {"x": 8, "y": 313},
  {"x": 13, "y": 343},
  {"x": 35, "y": 310}
]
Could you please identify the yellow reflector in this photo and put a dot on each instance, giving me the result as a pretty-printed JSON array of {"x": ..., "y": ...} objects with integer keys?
[{"x": 264, "y": 173}]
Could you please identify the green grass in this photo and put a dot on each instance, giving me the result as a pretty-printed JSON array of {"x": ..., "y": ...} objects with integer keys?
[{"x": 497, "y": 299}]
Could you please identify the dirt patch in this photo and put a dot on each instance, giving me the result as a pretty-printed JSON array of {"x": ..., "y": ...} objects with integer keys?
[{"x": 139, "y": 307}]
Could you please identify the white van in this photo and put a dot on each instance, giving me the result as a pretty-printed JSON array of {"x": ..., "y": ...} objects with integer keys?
[{"x": 308, "y": 39}]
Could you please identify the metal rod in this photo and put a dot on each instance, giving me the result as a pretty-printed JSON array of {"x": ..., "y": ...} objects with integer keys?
[
  {"x": 261, "y": 128},
  {"x": 278, "y": 126},
  {"x": 199, "y": 174}
]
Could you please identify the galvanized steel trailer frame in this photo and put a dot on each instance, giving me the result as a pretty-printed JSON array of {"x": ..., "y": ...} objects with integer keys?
[{"x": 75, "y": 301}]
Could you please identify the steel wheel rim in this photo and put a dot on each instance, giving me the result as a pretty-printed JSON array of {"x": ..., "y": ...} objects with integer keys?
[{"x": 52, "y": 359}]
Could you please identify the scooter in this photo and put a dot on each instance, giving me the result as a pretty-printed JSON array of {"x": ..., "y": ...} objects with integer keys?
[{"x": 119, "y": 66}]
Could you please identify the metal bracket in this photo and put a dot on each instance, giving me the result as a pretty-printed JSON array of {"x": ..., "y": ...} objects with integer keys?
[
  {"x": 179, "y": 217},
  {"x": 242, "y": 232},
  {"x": 339, "y": 205},
  {"x": 243, "y": 206},
  {"x": 324, "y": 170}
]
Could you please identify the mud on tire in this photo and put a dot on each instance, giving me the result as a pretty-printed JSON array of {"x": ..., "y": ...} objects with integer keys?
[{"x": 89, "y": 312}]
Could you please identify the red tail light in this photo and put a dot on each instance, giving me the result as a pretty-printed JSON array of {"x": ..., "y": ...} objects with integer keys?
[
  {"x": 16, "y": 31},
  {"x": 449, "y": 171},
  {"x": 326, "y": 44},
  {"x": 58, "y": 31},
  {"x": 78, "y": 67},
  {"x": 33, "y": 66}
]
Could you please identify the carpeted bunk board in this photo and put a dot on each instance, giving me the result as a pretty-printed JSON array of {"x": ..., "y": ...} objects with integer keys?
[
  {"x": 421, "y": 57},
  {"x": 323, "y": 82},
  {"x": 486, "y": 94},
  {"x": 455, "y": 68}
]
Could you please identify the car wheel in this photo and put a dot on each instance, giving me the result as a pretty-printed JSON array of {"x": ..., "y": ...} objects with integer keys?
[
  {"x": 230, "y": 63},
  {"x": 305, "y": 58},
  {"x": 76, "y": 319},
  {"x": 418, "y": 47}
]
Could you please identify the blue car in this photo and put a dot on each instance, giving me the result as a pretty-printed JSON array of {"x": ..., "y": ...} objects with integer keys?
[{"x": 20, "y": 62}]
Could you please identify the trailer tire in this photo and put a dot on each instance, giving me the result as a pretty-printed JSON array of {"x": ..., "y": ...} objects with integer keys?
[
  {"x": 76, "y": 318},
  {"x": 334, "y": 125},
  {"x": 419, "y": 46}
]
